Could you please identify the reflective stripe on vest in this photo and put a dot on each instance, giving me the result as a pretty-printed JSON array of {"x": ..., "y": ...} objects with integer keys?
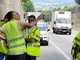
[
  {"x": 16, "y": 45},
  {"x": 73, "y": 49},
  {"x": 24, "y": 35},
  {"x": 33, "y": 45},
  {"x": 77, "y": 39}
]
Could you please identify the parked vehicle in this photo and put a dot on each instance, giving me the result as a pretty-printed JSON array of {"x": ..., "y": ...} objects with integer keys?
[
  {"x": 61, "y": 22},
  {"x": 44, "y": 33}
]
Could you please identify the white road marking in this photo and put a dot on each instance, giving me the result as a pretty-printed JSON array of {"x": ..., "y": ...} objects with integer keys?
[{"x": 68, "y": 58}]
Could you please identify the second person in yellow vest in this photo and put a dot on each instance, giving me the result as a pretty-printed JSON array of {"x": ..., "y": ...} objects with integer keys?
[{"x": 33, "y": 40}]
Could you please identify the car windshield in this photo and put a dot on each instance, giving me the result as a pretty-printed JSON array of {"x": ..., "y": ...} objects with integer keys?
[
  {"x": 42, "y": 27},
  {"x": 61, "y": 20}
]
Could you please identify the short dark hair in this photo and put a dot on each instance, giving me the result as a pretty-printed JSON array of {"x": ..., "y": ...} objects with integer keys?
[{"x": 31, "y": 16}]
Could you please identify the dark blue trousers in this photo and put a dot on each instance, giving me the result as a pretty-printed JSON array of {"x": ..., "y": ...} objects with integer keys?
[
  {"x": 16, "y": 57},
  {"x": 28, "y": 57},
  {"x": 1, "y": 56}
]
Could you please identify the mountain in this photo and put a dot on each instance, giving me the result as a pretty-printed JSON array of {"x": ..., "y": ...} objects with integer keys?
[
  {"x": 51, "y": 4},
  {"x": 57, "y": 1}
]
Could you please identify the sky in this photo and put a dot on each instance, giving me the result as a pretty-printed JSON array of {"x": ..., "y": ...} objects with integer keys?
[{"x": 41, "y": 3}]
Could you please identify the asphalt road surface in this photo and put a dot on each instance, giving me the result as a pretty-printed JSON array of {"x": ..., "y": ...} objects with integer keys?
[{"x": 59, "y": 47}]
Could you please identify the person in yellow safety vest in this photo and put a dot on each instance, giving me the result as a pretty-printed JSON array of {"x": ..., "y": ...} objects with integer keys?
[
  {"x": 13, "y": 31},
  {"x": 3, "y": 48},
  {"x": 76, "y": 47},
  {"x": 33, "y": 40}
]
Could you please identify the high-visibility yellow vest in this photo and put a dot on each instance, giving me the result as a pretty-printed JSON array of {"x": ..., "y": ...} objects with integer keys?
[
  {"x": 76, "y": 41},
  {"x": 78, "y": 56},
  {"x": 15, "y": 40},
  {"x": 1, "y": 23},
  {"x": 73, "y": 49},
  {"x": 3, "y": 48},
  {"x": 33, "y": 48}
]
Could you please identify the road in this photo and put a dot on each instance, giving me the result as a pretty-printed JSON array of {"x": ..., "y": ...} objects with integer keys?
[{"x": 59, "y": 47}]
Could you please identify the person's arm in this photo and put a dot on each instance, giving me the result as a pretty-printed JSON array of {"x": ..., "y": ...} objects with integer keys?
[
  {"x": 34, "y": 22},
  {"x": 1, "y": 36}
]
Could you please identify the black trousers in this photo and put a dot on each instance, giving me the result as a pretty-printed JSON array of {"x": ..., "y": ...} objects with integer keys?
[
  {"x": 16, "y": 57},
  {"x": 28, "y": 57}
]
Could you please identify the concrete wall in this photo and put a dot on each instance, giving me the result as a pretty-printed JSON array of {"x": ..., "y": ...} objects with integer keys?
[
  {"x": 8, "y": 5},
  {"x": 76, "y": 18}
]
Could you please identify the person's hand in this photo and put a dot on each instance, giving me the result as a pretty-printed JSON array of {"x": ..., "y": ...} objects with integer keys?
[
  {"x": 40, "y": 17},
  {"x": 2, "y": 37}
]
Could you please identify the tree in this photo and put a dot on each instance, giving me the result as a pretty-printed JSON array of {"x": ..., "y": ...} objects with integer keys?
[
  {"x": 77, "y": 1},
  {"x": 68, "y": 8},
  {"x": 47, "y": 15},
  {"x": 28, "y": 6}
]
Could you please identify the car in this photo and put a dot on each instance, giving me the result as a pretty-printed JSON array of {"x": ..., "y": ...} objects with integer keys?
[{"x": 43, "y": 34}]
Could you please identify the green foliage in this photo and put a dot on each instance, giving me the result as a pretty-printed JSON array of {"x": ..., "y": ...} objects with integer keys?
[
  {"x": 69, "y": 8},
  {"x": 28, "y": 6},
  {"x": 47, "y": 15},
  {"x": 65, "y": 8},
  {"x": 77, "y": 1}
]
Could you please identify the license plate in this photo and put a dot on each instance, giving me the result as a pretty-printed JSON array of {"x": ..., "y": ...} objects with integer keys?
[{"x": 64, "y": 31}]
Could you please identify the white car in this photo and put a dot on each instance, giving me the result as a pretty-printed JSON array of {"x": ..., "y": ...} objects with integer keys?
[{"x": 44, "y": 33}]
